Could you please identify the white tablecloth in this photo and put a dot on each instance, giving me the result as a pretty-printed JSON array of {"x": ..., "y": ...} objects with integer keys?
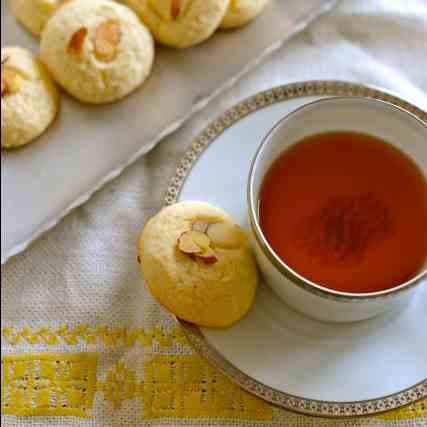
[{"x": 83, "y": 274}]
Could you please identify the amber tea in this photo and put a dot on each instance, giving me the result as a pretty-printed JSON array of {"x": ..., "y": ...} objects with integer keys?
[{"x": 346, "y": 211}]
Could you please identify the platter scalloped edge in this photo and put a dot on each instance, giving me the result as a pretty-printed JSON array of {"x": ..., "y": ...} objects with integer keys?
[{"x": 208, "y": 136}]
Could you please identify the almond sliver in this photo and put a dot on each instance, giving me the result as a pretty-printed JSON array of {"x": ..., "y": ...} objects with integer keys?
[
  {"x": 225, "y": 235},
  {"x": 107, "y": 39},
  {"x": 187, "y": 244},
  {"x": 11, "y": 82},
  {"x": 201, "y": 226},
  {"x": 208, "y": 256},
  {"x": 75, "y": 45},
  {"x": 175, "y": 8},
  {"x": 201, "y": 239}
]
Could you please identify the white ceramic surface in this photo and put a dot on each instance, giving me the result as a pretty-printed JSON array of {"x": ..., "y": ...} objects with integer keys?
[
  {"x": 88, "y": 146},
  {"x": 382, "y": 120},
  {"x": 276, "y": 353}
]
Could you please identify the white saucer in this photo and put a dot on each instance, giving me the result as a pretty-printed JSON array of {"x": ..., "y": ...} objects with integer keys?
[{"x": 297, "y": 363}]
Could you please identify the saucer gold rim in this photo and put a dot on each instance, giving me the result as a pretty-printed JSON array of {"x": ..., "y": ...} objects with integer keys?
[{"x": 327, "y": 409}]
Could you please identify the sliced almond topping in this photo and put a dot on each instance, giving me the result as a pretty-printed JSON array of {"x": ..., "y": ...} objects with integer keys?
[
  {"x": 201, "y": 239},
  {"x": 107, "y": 39},
  {"x": 201, "y": 226},
  {"x": 197, "y": 244},
  {"x": 208, "y": 256},
  {"x": 11, "y": 82},
  {"x": 187, "y": 244},
  {"x": 75, "y": 45},
  {"x": 175, "y": 8},
  {"x": 225, "y": 235}
]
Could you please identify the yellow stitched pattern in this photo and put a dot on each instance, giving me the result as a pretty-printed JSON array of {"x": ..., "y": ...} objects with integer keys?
[
  {"x": 182, "y": 387},
  {"x": 416, "y": 410},
  {"x": 120, "y": 385},
  {"x": 102, "y": 334},
  {"x": 173, "y": 386},
  {"x": 186, "y": 387},
  {"x": 48, "y": 384}
]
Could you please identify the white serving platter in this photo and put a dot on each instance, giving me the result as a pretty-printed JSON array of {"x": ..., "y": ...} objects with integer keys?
[
  {"x": 332, "y": 370},
  {"x": 88, "y": 146}
]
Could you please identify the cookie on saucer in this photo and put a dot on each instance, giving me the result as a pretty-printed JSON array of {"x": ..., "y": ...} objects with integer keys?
[
  {"x": 97, "y": 50},
  {"x": 198, "y": 264},
  {"x": 34, "y": 14},
  {"x": 29, "y": 98},
  {"x": 240, "y": 12},
  {"x": 181, "y": 23}
]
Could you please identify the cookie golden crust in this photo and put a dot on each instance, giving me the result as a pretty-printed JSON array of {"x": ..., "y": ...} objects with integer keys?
[
  {"x": 29, "y": 98},
  {"x": 34, "y": 14},
  {"x": 97, "y": 50},
  {"x": 240, "y": 12},
  {"x": 180, "y": 23},
  {"x": 198, "y": 264}
]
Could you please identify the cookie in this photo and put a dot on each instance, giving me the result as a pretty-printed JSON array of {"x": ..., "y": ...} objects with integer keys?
[
  {"x": 181, "y": 23},
  {"x": 97, "y": 50},
  {"x": 198, "y": 264},
  {"x": 34, "y": 14},
  {"x": 240, "y": 12},
  {"x": 29, "y": 98}
]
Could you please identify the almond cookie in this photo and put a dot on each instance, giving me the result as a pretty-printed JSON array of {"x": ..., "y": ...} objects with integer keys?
[
  {"x": 181, "y": 23},
  {"x": 97, "y": 50},
  {"x": 198, "y": 264},
  {"x": 34, "y": 14},
  {"x": 240, "y": 12},
  {"x": 29, "y": 98}
]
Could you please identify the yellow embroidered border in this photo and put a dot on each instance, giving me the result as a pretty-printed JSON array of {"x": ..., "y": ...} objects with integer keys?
[
  {"x": 182, "y": 387},
  {"x": 186, "y": 387},
  {"x": 102, "y": 334},
  {"x": 173, "y": 386},
  {"x": 48, "y": 384}
]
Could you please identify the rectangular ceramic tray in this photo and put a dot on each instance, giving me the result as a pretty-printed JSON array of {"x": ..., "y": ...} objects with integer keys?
[{"x": 89, "y": 146}]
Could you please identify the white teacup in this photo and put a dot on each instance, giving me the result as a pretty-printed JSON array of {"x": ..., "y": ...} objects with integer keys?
[{"x": 377, "y": 118}]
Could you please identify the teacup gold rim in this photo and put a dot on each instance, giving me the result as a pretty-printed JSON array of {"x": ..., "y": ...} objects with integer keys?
[{"x": 269, "y": 252}]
